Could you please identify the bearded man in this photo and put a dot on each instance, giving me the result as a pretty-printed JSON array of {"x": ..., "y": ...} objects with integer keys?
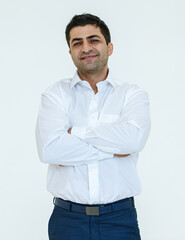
[{"x": 90, "y": 130}]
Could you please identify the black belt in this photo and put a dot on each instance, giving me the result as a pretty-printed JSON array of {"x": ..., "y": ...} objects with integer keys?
[{"x": 96, "y": 209}]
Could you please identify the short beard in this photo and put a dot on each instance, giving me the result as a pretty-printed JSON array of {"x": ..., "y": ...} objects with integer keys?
[{"x": 94, "y": 68}]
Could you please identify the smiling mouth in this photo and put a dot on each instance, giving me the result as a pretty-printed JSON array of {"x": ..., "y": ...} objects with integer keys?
[{"x": 88, "y": 57}]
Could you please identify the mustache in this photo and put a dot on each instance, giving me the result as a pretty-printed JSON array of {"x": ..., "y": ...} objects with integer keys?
[{"x": 89, "y": 53}]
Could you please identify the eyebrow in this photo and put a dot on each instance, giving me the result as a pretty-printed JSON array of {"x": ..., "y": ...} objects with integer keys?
[
  {"x": 89, "y": 37},
  {"x": 93, "y": 36}
]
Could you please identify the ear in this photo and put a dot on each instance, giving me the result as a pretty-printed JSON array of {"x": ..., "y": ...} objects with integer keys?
[
  {"x": 69, "y": 51},
  {"x": 110, "y": 48}
]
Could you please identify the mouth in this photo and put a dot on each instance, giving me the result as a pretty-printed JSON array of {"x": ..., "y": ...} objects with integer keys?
[{"x": 87, "y": 57}]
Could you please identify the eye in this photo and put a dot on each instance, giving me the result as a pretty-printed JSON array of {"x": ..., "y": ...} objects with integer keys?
[
  {"x": 77, "y": 43},
  {"x": 94, "y": 40}
]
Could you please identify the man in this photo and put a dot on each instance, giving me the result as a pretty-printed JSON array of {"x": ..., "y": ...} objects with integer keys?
[{"x": 90, "y": 130}]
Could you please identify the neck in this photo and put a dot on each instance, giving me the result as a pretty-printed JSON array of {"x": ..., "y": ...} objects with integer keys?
[{"x": 94, "y": 78}]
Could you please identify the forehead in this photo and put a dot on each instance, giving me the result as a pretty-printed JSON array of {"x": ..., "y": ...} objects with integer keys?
[{"x": 85, "y": 31}]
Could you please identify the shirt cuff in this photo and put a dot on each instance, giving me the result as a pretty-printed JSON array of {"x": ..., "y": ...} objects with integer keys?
[{"x": 79, "y": 131}]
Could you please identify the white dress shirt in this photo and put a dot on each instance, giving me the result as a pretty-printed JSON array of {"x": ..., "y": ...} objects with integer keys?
[{"x": 115, "y": 120}]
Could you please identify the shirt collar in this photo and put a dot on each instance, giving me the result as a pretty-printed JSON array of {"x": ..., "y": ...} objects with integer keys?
[
  {"x": 75, "y": 79},
  {"x": 109, "y": 79}
]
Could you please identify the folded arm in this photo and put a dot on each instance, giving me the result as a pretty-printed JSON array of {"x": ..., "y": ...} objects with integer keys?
[
  {"x": 129, "y": 134},
  {"x": 117, "y": 155},
  {"x": 55, "y": 145}
]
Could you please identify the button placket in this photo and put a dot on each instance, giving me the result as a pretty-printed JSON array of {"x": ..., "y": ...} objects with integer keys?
[
  {"x": 93, "y": 111},
  {"x": 93, "y": 168}
]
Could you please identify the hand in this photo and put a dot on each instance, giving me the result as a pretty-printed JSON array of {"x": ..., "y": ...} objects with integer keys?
[
  {"x": 121, "y": 155},
  {"x": 69, "y": 130}
]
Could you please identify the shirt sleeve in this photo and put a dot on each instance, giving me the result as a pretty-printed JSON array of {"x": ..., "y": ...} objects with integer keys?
[
  {"x": 55, "y": 145},
  {"x": 126, "y": 136}
]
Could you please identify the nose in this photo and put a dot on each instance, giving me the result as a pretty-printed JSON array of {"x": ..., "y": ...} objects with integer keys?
[{"x": 86, "y": 47}]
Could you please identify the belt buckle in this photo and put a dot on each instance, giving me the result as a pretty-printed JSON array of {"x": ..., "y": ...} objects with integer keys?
[{"x": 92, "y": 211}]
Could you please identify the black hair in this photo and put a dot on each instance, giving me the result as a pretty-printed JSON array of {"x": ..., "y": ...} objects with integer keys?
[{"x": 85, "y": 19}]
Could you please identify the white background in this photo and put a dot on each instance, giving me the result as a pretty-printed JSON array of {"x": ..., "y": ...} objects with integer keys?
[{"x": 149, "y": 50}]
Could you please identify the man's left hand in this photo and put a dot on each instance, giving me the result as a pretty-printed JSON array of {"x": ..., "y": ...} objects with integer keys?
[{"x": 69, "y": 130}]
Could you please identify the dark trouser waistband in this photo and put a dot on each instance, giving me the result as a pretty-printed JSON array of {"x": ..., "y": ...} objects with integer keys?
[{"x": 96, "y": 209}]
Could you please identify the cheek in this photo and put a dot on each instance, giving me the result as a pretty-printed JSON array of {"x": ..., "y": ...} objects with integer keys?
[
  {"x": 105, "y": 52},
  {"x": 74, "y": 56}
]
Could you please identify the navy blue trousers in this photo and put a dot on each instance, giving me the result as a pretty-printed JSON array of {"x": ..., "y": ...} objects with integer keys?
[{"x": 118, "y": 225}]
